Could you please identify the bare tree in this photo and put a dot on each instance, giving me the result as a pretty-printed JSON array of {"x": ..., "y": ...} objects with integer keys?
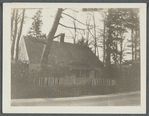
[
  {"x": 14, "y": 31},
  {"x": 94, "y": 34},
  {"x": 19, "y": 34},
  {"x": 75, "y": 32},
  {"x": 17, "y": 19},
  {"x": 104, "y": 16},
  {"x": 87, "y": 31},
  {"x": 133, "y": 25},
  {"x": 95, "y": 38}
]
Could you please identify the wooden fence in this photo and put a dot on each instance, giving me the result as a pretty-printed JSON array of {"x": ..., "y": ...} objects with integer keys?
[
  {"x": 103, "y": 82},
  {"x": 67, "y": 81}
]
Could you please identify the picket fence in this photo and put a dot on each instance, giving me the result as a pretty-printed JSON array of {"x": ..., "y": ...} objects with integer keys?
[{"x": 67, "y": 81}]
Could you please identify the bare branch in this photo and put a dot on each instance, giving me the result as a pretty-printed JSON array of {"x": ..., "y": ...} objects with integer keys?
[
  {"x": 65, "y": 9},
  {"x": 19, "y": 20},
  {"x": 70, "y": 27},
  {"x": 90, "y": 43},
  {"x": 71, "y": 32},
  {"x": 20, "y": 15},
  {"x": 90, "y": 32},
  {"x": 58, "y": 35},
  {"x": 73, "y": 10},
  {"x": 75, "y": 19}
]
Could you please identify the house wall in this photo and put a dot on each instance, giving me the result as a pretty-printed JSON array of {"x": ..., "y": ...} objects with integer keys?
[{"x": 23, "y": 56}]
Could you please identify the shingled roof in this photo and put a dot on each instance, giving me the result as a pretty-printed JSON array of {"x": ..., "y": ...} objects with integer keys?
[{"x": 68, "y": 53}]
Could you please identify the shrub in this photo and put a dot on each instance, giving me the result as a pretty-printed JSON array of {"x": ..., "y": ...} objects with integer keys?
[
  {"x": 19, "y": 74},
  {"x": 19, "y": 70}
]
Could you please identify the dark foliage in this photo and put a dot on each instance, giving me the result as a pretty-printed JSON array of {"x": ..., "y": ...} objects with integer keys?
[
  {"x": 19, "y": 77},
  {"x": 19, "y": 69}
]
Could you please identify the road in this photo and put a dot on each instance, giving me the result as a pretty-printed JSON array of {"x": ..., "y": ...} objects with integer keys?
[{"x": 121, "y": 99}]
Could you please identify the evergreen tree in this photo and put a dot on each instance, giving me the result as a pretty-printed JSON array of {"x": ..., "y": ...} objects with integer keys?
[
  {"x": 35, "y": 29},
  {"x": 133, "y": 25}
]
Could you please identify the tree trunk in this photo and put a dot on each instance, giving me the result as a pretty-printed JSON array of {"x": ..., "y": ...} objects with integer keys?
[
  {"x": 108, "y": 51},
  {"x": 121, "y": 53},
  {"x": 87, "y": 36},
  {"x": 104, "y": 45},
  {"x": 19, "y": 35},
  {"x": 132, "y": 45},
  {"x": 46, "y": 51},
  {"x": 136, "y": 45},
  {"x": 116, "y": 54},
  {"x": 75, "y": 32},
  {"x": 97, "y": 53},
  {"x": 14, "y": 36},
  {"x": 87, "y": 32},
  {"x": 12, "y": 19},
  {"x": 139, "y": 44},
  {"x": 95, "y": 45}
]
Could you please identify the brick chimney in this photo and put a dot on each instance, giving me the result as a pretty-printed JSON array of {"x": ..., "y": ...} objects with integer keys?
[{"x": 62, "y": 38}]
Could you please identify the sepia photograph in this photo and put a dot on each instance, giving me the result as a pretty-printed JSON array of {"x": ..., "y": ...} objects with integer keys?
[{"x": 89, "y": 56}]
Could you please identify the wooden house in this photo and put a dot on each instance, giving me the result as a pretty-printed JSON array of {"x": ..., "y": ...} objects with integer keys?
[{"x": 82, "y": 63}]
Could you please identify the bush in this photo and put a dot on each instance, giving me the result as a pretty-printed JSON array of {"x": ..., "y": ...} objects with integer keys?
[
  {"x": 19, "y": 74},
  {"x": 19, "y": 69},
  {"x": 111, "y": 72}
]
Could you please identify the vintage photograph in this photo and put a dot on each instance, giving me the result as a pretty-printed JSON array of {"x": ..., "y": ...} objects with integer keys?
[{"x": 75, "y": 56}]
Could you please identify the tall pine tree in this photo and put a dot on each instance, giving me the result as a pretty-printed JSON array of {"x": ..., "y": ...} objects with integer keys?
[{"x": 35, "y": 29}]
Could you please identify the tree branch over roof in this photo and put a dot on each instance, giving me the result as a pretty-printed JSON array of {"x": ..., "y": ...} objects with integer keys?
[
  {"x": 70, "y": 27},
  {"x": 75, "y": 19},
  {"x": 57, "y": 35}
]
